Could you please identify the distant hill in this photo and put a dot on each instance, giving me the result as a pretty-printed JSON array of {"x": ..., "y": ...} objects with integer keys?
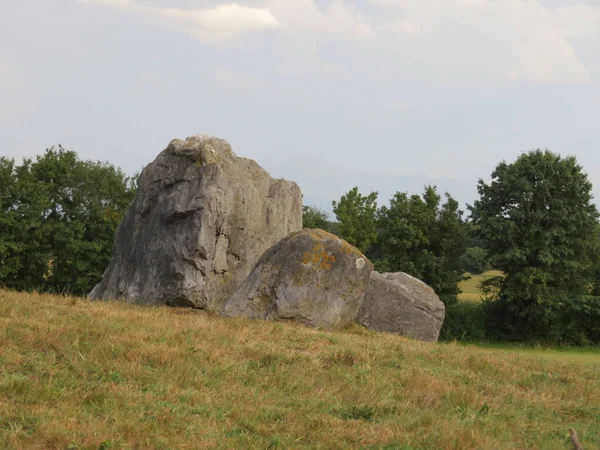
[{"x": 321, "y": 182}]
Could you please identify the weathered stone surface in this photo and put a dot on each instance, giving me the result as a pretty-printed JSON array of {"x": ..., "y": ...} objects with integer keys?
[
  {"x": 401, "y": 304},
  {"x": 200, "y": 221},
  {"x": 311, "y": 277}
]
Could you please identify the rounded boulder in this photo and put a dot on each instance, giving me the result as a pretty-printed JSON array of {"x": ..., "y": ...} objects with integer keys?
[
  {"x": 310, "y": 276},
  {"x": 401, "y": 304}
]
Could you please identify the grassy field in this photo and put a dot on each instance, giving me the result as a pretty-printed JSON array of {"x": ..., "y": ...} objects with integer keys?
[
  {"x": 470, "y": 287},
  {"x": 81, "y": 375},
  {"x": 567, "y": 354}
]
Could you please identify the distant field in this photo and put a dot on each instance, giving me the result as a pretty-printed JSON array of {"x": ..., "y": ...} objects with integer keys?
[
  {"x": 470, "y": 288},
  {"x": 589, "y": 355},
  {"x": 81, "y": 375}
]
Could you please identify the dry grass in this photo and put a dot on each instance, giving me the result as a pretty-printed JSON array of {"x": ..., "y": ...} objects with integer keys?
[{"x": 75, "y": 374}]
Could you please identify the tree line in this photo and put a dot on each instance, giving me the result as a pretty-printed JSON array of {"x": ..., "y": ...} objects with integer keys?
[
  {"x": 58, "y": 218},
  {"x": 424, "y": 235},
  {"x": 534, "y": 222}
]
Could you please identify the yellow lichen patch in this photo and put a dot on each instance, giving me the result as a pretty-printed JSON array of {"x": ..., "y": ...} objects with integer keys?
[{"x": 319, "y": 257}]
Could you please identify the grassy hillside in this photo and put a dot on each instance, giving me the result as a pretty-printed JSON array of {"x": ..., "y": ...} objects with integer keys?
[
  {"x": 470, "y": 287},
  {"x": 75, "y": 374}
]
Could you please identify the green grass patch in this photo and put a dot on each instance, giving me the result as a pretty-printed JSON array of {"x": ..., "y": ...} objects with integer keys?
[
  {"x": 587, "y": 355},
  {"x": 470, "y": 288}
]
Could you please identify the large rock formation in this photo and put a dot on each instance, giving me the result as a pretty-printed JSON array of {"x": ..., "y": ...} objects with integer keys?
[
  {"x": 401, "y": 304},
  {"x": 311, "y": 277},
  {"x": 201, "y": 219}
]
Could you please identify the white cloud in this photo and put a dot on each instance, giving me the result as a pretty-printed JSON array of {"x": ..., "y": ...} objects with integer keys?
[
  {"x": 579, "y": 21},
  {"x": 514, "y": 39},
  {"x": 337, "y": 21},
  {"x": 507, "y": 39},
  {"x": 501, "y": 39},
  {"x": 212, "y": 25}
]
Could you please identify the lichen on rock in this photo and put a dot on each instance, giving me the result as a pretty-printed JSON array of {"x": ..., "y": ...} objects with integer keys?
[{"x": 317, "y": 282}]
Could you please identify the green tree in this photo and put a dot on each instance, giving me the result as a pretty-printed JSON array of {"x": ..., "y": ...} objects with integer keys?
[
  {"x": 356, "y": 215},
  {"x": 63, "y": 214},
  {"x": 538, "y": 222},
  {"x": 596, "y": 263},
  {"x": 9, "y": 223},
  {"x": 475, "y": 239},
  {"x": 474, "y": 261},
  {"x": 425, "y": 238},
  {"x": 313, "y": 217}
]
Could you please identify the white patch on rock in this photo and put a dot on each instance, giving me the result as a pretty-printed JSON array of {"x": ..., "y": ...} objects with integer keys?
[{"x": 360, "y": 263}]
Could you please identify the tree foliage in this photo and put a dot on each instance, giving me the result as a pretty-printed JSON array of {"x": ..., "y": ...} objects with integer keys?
[
  {"x": 58, "y": 219},
  {"x": 540, "y": 228},
  {"x": 9, "y": 220},
  {"x": 425, "y": 238},
  {"x": 474, "y": 261},
  {"x": 313, "y": 217},
  {"x": 356, "y": 215}
]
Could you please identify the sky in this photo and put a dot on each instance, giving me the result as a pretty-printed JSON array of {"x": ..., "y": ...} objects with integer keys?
[{"x": 388, "y": 95}]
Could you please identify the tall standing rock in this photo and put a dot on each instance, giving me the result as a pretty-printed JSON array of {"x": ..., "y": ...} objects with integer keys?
[
  {"x": 201, "y": 219},
  {"x": 401, "y": 304},
  {"x": 311, "y": 277}
]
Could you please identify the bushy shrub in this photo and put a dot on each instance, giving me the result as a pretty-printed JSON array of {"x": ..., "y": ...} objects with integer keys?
[
  {"x": 573, "y": 322},
  {"x": 465, "y": 321},
  {"x": 579, "y": 321}
]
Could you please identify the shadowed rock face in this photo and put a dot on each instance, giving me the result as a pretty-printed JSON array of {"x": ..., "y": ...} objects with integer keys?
[
  {"x": 311, "y": 277},
  {"x": 201, "y": 219},
  {"x": 401, "y": 304}
]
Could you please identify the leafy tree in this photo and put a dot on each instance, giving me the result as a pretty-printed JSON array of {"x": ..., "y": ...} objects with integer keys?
[
  {"x": 313, "y": 217},
  {"x": 475, "y": 239},
  {"x": 474, "y": 260},
  {"x": 356, "y": 215},
  {"x": 62, "y": 214},
  {"x": 540, "y": 227},
  {"x": 9, "y": 224},
  {"x": 425, "y": 238},
  {"x": 333, "y": 227},
  {"x": 595, "y": 291}
]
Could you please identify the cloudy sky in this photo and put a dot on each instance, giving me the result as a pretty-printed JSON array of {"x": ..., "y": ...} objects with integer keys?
[{"x": 386, "y": 94}]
